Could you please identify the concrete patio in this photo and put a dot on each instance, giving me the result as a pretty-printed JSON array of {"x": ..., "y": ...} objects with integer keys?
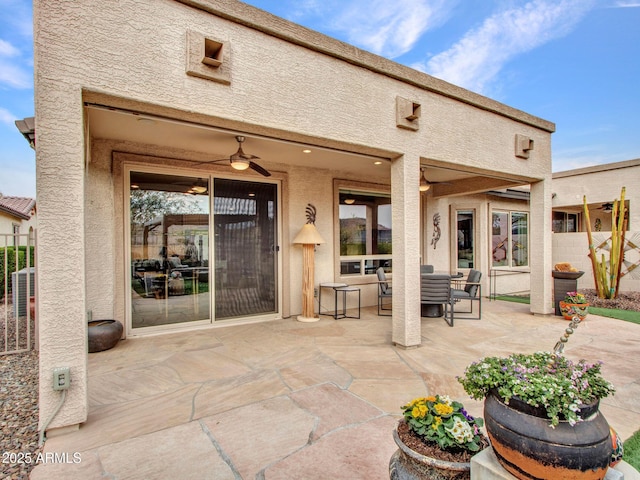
[{"x": 291, "y": 400}]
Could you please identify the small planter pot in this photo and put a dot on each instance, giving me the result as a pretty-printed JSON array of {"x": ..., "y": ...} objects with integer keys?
[
  {"x": 103, "y": 334},
  {"x": 527, "y": 447},
  {"x": 406, "y": 464},
  {"x": 570, "y": 310}
]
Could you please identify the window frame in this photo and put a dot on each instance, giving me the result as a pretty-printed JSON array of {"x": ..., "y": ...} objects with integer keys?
[
  {"x": 354, "y": 278},
  {"x": 509, "y": 250}
]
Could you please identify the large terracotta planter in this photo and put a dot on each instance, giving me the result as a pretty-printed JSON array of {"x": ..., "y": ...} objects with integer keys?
[
  {"x": 406, "y": 464},
  {"x": 570, "y": 310},
  {"x": 527, "y": 447}
]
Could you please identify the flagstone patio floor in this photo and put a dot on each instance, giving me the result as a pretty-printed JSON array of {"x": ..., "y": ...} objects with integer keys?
[{"x": 291, "y": 400}]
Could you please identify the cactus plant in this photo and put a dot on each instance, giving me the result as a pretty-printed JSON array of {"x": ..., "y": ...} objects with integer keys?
[{"x": 606, "y": 275}]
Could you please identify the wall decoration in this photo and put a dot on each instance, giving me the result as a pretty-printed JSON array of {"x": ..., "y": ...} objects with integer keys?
[{"x": 436, "y": 230}]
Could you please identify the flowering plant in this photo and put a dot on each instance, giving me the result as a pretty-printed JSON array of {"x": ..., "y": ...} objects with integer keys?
[
  {"x": 439, "y": 419},
  {"x": 541, "y": 379},
  {"x": 575, "y": 297}
]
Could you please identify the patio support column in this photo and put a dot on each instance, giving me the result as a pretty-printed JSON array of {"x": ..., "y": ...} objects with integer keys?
[
  {"x": 60, "y": 164},
  {"x": 540, "y": 253},
  {"x": 405, "y": 203}
]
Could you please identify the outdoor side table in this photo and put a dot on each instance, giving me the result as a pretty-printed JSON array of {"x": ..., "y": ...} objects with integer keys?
[
  {"x": 344, "y": 291},
  {"x": 333, "y": 286}
]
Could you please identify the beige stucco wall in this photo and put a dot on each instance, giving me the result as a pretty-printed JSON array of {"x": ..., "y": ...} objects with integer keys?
[
  {"x": 574, "y": 248},
  {"x": 134, "y": 56},
  {"x": 8, "y": 221}
]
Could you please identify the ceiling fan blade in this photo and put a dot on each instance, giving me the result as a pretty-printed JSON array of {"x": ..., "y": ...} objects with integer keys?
[{"x": 259, "y": 169}]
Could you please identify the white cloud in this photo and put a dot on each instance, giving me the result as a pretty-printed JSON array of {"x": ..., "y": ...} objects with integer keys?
[
  {"x": 626, "y": 4},
  {"x": 14, "y": 75},
  {"x": 382, "y": 27},
  {"x": 480, "y": 55},
  {"x": 7, "y": 117},
  {"x": 7, "y": 50}
]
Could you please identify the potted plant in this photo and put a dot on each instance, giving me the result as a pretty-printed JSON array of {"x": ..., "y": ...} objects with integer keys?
[
  {"x": 541, "y": 413},
  {"x": 574, "y": 305},
  {"x": 436, "y": 439}
]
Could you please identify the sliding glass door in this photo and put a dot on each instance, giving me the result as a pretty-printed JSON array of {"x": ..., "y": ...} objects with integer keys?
[
  {"x": 245, "y": 245},
  {"x": 173, "y": 280}
]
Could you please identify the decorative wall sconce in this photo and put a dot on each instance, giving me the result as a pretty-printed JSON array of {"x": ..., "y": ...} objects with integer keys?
[{"x": 308, "y": 237}]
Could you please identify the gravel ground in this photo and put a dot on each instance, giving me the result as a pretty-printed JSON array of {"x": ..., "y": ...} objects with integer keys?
[
  {"x": 625, "y": 300},
  {"x": 18, "y": 414},
  {"x": 18, "y": 405},
  {"x": 19, "y": 394}
]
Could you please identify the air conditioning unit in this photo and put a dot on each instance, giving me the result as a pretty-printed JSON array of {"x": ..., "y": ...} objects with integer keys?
[{"x": 19, "y": 290}]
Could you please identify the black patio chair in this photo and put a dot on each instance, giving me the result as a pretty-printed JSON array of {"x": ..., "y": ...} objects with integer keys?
[
  {"x": 384, "y": 291},
  {"x": 435, "y": 289},
  {"x": 472, "y": 291}
]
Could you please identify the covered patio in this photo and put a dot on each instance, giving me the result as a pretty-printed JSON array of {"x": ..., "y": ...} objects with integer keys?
[{"x": 285, "y": 399}]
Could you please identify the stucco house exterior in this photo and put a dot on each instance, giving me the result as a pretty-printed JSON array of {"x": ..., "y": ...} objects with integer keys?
[
  {"x": 17, "y": 217},
  {"x": 601, "y": 185},
  {"x": 141, "y": 111}
]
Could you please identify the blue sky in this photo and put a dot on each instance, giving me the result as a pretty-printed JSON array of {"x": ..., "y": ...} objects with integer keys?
[{"x": 573, "y": 62}]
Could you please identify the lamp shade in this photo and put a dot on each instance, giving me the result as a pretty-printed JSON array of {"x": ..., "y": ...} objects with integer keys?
[{"x": 308, "y": 234}]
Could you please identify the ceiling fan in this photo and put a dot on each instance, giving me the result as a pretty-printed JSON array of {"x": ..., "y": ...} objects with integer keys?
[
  {"x": 425, "y": 184},
  {"x": 242, "y": 161},
  {"x": 606, "y": 207}
]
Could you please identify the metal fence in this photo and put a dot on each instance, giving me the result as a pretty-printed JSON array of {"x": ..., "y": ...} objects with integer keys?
[{"x": 18, "y": 323}]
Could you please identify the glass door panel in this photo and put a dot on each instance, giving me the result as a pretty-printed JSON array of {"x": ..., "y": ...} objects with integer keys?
[
  {"x": 466, "y": 236},
  {"x": 169, "y": 217},
  {"x": 244, "y": 248}
]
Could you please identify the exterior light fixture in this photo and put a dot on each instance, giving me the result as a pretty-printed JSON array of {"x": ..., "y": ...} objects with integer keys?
[
  {"x": 349, "y": 201},
  {"x": 306, "y": 150},
  {"x": 239, "y": 163},
  {"x": 424, "y": 185},
  {"x": 308, "y": 237}
]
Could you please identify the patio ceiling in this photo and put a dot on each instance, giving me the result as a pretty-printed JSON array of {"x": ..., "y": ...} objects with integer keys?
[{"x": 219, "y": 144}]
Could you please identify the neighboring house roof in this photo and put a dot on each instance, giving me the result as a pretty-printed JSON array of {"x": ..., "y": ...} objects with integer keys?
[
  {"x": 597, "y": 168},
  {"x": 20, "y": 207}
]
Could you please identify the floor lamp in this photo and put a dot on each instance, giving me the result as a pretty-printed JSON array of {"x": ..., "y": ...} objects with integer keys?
[{"x": 308, "y": 237}]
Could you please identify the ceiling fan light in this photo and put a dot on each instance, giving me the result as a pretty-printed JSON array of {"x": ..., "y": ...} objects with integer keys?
[
  {"x": 239, "y": 164},
  {"x": 424, "y": 185}
]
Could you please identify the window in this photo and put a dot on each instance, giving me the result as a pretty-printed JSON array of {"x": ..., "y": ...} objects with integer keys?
[
  {"x": 465, "y": 226},
  {"x": 365, "y": 232},
  {"x": 510, "y": 239},
  {"x": 16, "y": 234},
  {"x": 565, "y": 222}
]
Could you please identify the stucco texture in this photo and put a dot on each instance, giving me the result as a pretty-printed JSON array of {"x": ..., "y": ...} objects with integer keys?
[{"x": 134, "y": 56}]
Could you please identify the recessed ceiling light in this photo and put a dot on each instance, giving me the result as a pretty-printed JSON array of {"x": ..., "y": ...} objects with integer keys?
[
  {"x": 377, "y": 162},
  {"x": 134, "y": 186},
  {"x": 306, "y": 150}
]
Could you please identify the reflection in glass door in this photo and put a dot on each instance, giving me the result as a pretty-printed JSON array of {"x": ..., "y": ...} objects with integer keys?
[
  {"x": 245, "y": 248},
  {"x": 169, "y": 217}
]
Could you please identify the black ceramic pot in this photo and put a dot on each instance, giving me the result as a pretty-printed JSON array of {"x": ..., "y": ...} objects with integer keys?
[{"x": 527, "y": 447}]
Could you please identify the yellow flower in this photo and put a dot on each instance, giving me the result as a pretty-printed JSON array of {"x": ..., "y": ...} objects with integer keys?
[
  {"x": 415, "y": 412},
  {"x": 430, "y": 399},
  {"x": 443, "y": 409},
  {"x": 436, "y": 422}
]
